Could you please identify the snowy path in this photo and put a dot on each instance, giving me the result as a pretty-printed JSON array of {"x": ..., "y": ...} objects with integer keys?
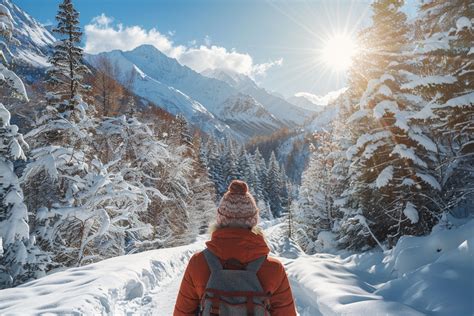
[
  {"x": 156, "y": 302},
  {"x": 161, "y": 302},
  {"x": 322, "y": 285},
  {"x": 423, "y": 275}
]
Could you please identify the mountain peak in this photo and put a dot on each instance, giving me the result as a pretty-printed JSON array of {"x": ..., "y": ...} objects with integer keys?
[
  {"x": 147, "y": 49},
  {"x": 234, "y": 79},
  {"x": 35, "y": 41}
]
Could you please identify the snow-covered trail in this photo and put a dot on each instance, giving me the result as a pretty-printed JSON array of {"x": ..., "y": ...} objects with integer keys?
[
  {"x": 322, "y": 285},
  {"x": 159, "y": 301},
  {"x": 422, "y": 275}
]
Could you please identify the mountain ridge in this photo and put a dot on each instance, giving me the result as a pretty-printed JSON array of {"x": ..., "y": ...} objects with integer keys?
[{"x": 166, "y": 82}]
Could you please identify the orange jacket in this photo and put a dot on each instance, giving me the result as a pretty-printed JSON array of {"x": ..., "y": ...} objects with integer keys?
[{"x": 245, "y": 246}]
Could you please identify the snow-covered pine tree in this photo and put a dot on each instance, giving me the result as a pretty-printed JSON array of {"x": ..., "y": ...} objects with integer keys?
[
  {"x": 180, "y": 134},
  {"x": 377, "y": 43},
  {"x": 17, "y": 253},
  {"x": 230, "y": 163},
  {"x": 67, "y": 67},
  {"x": 243, "y": 166},
  {"x": 252, "y": 178},
  {"x": 216, "y": 173},
  {"x": 315, "y": 205},
  {"x": 344, "y": 223},
  {"x": 274, "y": 185},
  {"x": 392, "y": 161},
  {"x": 60, "y": 137},
  {"x": 248, "y": 172},
  {"x": 261, "y": 172},
  {"x": 69, "y": 191},
  {"x": 284, "y": 194},
  {"x": 100, "y": 222},
  {"x": 202, "y": 204},
  {"x": 443, "y": 77}
]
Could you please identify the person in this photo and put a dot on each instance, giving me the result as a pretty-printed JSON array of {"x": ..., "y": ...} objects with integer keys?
[{"x": 236, "y": 242}]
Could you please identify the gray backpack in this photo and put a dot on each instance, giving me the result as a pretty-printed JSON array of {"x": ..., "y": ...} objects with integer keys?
[{"x": 234, "y": 292}]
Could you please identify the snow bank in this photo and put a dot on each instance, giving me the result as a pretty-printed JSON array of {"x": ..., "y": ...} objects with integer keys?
[
  {"x": 435, "y": 273},
  {"x": 334, "y": 289},
  {"x": 99, "y": 288},
  {"x": 431, "y": 275}
]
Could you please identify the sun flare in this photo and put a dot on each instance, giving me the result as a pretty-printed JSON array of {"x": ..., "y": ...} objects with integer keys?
[{"x": 338, "y": 51}]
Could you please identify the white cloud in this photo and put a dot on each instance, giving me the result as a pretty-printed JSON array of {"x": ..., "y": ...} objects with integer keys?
[
  {"x": 261, "y": 69},
  {"x": 101, "y": 35},
  {"x": 102, "y": 20},
  {"x": 204, "y": 57}
]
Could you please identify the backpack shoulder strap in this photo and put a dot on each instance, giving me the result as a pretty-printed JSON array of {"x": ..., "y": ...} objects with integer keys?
[
  {"x": 255, "y": 265},
  {"x": 212, "y": 260}
]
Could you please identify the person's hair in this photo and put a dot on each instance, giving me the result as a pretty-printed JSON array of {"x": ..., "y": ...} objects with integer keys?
[{"x": 257, "y": 230}]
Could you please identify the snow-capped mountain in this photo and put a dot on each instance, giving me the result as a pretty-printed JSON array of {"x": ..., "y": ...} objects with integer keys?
[
  {"x": 234, "y": 79},
  {"x": 168, "y": 97},
  {"x": 34, "y": 40},
  {"x": 212, "y": 104},
  {"x": 31, "y": 45},
  {"x": 249, "y": 110},
  {"x": 284, "y": 111}
]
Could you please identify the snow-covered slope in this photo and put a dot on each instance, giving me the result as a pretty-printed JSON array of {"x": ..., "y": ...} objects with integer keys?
[
  {"x": 209, "y": 103},
  {"x": 284, "y": 111},
  {"x": 247, "y": 116},
  {"x": 31, "y": 46},
  {"x": 170, "y": 98},
  {"x": 323, "y": 120},
  {"x": 234, "y": 79},
  {"x": 35, "y": 41}
]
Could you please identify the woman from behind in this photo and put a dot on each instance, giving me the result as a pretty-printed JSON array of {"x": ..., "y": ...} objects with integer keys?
[{"x": 234, "y": 275}]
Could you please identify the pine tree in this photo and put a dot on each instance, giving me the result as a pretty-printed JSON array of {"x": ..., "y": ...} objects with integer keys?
[
  {"x": 17, "y": 253},
  {"x": 443, "y": 77},
  {"x": 377, "y": 44},
  {"x": 317, "y": 195},
  {"x": 67, "y": 70},
  {"x": 230, "y": 164},
  {"x": 261, "y": 172},
  {"x": 243, "y": 165},
  {"x": 215, "y": 167},
  {"x": 180, "y": 133},
  {"x": 61, "y": 147},
  {"x": 284, "y": 194},
  {"x": 274, "y": 185},
  {"x": 202, "y": 204},
  {"x": 247, "y": 171},
  {"x": 390, "y": 159}
]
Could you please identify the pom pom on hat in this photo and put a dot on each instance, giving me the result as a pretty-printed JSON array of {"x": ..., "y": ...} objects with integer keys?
[{"x": 238, "y": 187}]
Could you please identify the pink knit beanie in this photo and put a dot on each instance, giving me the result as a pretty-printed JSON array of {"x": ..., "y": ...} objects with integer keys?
[{"x": 237, "y": 207}]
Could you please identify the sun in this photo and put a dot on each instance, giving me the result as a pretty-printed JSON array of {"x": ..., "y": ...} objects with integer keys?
[{"x": 338, "y": 51}]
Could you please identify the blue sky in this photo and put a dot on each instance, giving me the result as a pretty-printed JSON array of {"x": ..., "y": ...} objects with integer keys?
[{"x": 276, "y": 42}]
